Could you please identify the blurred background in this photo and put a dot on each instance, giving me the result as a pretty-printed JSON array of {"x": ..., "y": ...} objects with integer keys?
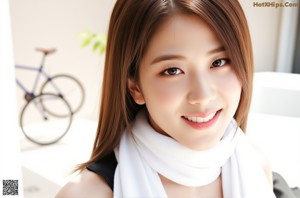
[{"x": 56, "y": 24}]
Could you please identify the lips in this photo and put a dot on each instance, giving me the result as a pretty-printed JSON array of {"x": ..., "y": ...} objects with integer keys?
[{"x": 202, "y": 121}]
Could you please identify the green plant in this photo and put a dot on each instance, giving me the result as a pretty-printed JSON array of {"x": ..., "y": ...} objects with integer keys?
[{"x": 97, "y": 41}]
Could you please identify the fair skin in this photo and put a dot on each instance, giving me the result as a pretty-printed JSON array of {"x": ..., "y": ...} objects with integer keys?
[
  {"x": 188, "y": 75},
  {"x": 185, "y": 75}
]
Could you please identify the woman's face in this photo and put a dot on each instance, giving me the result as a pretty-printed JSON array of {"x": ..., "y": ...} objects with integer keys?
[{"x": 187, "y": 82}]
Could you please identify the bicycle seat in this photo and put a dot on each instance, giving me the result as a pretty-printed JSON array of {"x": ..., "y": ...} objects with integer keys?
[{"x": 46, "y": 51}]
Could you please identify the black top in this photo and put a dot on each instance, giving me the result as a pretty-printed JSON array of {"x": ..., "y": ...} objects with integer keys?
[{"x": 106, "y": 168}]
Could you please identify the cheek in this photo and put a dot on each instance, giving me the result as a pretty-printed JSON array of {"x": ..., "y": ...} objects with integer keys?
[
  {"x": 232, "y": 88},
  {"x": 162, "y": 91},
  {"x": 229, "y": 88}
]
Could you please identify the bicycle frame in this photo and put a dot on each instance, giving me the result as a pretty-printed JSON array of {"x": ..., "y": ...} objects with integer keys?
[
  {"x": 42, "y": 100},
  {"x": 37, "y": 78},
  {"x": 40, "y": 72}
]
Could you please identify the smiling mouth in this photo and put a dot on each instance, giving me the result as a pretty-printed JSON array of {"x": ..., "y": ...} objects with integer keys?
[{"x": 200, "y": 119}]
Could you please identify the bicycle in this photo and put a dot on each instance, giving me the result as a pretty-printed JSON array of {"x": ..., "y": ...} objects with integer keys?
[{"x": 48, "y": 113}]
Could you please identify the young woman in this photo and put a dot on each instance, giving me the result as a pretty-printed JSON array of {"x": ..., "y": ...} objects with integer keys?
[{"x": 176, "y": 94}]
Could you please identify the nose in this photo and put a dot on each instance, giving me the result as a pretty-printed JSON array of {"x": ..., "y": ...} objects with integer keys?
[{"x": 202, "y": 89}]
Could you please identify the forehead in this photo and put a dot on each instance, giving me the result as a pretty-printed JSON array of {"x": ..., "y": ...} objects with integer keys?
[{"x": 182, "y": 34}]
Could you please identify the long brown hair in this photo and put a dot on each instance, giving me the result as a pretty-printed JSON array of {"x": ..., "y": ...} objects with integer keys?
[{"x": 132, "y": 25}]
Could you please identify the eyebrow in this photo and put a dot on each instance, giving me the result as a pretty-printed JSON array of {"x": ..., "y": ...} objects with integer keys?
[
  {"x": 166, "y": 57},
  {"x": 174, "y": 56}
]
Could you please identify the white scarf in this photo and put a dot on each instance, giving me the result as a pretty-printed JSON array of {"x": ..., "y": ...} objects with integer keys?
[{"x": 144, "y": 153}]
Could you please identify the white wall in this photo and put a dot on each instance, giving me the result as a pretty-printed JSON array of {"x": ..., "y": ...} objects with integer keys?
[
  {"x": 10, "y": 166},
  {"x": 264, "y": 24},
  {"x": 55, "y": 23}
]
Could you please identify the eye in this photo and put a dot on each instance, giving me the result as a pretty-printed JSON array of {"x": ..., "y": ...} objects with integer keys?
[
  {"x": 220, "y": 62},
  {"x": 172, "y": 71}
]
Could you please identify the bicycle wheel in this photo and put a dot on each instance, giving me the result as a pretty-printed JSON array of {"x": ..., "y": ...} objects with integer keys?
[
  {"x": 69, "y": 88},
  {"x": 41, "y": 127}
]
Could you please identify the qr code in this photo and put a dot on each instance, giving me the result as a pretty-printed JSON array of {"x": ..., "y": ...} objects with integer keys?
[{"x": 10, "y": 187}]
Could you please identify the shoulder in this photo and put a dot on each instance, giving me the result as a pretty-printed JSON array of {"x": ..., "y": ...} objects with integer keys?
[{"x": 85, "y": 184}]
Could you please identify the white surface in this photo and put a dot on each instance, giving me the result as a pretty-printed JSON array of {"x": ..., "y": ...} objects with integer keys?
[
  {"x": 278, "y": 137},
  {"x": 47, "y": 168},
  {"x": 37, "y": 186},
  {"x": 10, "y": 149},
  {"x": 274, "y": 121},
  {"x": 276, "y": 93}
]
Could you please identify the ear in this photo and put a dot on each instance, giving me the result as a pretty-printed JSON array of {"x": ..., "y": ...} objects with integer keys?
[{"x": 135, "y": 91}]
